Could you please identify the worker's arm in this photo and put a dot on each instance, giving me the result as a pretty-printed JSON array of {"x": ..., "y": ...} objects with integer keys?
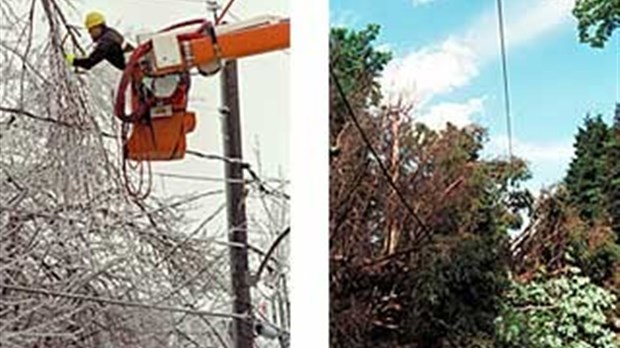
[
  {"x": 100, "y": 52},
  {"x": 127, "y": 47}
]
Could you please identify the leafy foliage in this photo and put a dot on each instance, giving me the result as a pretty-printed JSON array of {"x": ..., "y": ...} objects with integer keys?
[
  {"x": 457, "y": 293},
  {"x": 564, "y": 312},
  {"x": 357, "y": 63},
  {"x": 597, "y": 20},
  {"x": 448, "y": 292},
  {"x": 396, "y": 281},
  {"x": 599, "y": 262},
  {"x": 439, "y": 279}
]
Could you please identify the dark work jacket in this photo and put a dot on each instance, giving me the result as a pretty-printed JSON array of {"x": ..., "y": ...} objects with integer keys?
[{"x": 109, "y": 47}]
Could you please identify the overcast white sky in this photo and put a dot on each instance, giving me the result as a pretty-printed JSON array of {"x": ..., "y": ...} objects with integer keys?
[
  {"x": 264, "y": 99},
  {"x": 264, "y": 90}
]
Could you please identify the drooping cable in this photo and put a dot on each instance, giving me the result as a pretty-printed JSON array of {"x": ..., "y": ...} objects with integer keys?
[
  {"x": 374, "y": 153},
  {"x": 271, "y": 250}
]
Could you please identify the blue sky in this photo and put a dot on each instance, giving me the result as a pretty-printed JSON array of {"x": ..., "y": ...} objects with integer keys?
[{"x": 447, "y": 63}]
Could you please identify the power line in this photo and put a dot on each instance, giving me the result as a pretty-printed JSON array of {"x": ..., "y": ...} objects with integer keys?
[
  {"x": 272, "y": 248},
  {"x": 224, "y": 11},
  {"x": 246, "y": 166},
  {"x": 618, "y": 73},
  {"x": 260, "y": 183},
  {"x": 500, "y": 18},
  {"x": 374, "y": 153},
  {"x": 199, "y": 178},
  {"x": 121, "y": 303},
  {"x": 262, "y": 186}
]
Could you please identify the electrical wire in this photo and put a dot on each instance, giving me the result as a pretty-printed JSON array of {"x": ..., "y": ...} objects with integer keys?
[
  {"x": 618, "y": 72},
  {"x": 224, "y": 11},
  {"x": 121, "y": 303},
  {"x": 272, "y": 248},
  {"x": 374, "y": 153},
  {"x": 216, "y": 179},
  {"x": 500, "y": 19},
  {"x": 200, "y": 178}
]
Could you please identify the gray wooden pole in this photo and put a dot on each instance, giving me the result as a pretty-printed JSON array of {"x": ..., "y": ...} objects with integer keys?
[{"x": 242, "y": 330}]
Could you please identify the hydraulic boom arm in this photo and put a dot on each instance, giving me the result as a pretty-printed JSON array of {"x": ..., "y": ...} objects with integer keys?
[{"x": 233, "y": 41}]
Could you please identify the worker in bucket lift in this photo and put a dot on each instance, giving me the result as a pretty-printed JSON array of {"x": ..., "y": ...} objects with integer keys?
[{"x": 109, "y": 45}]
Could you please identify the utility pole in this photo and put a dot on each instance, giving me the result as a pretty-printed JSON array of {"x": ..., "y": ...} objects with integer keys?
[
  {"x": 242, "y": 330},
  {"x": 213, "y": 6}
]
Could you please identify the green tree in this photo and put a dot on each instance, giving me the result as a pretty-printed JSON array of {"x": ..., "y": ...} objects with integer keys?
[
  {"x": 449, "y": 291},
  {"x": 439, "y": 285},
  {"x": 593, "y": 184},
  {"x": 565, "y": 312},
  {"x": 613, "y": 175},
  {"x": 456, "y": 293},
  {"x": 597, "y": 20},
  {"x": 357, "y": 63},
  {"x": 598, "y": 262},
  {"x": 586, "y": 177}
]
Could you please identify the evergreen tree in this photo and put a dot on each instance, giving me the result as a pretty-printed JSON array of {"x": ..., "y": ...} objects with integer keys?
[
  {"x": 357, "y": 63},
  {"x": 613, "y": 174},
  {"x": 586, "y": 177},
  {"x": 593, "y": 184}
]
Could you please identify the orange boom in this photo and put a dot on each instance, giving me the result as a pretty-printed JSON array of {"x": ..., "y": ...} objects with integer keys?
[{"x": 158, "y": 75}]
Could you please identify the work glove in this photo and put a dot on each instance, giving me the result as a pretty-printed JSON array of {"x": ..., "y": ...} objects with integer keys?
[{"x": 69, "y": 57}]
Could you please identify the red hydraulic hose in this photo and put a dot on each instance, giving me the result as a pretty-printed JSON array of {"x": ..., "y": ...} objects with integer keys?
[
  {"x": 132, "y": 71},
  {"x": 204, "y": 22}
]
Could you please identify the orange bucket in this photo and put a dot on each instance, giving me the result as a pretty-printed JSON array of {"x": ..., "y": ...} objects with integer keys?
[{"x": 161, "y": 140}]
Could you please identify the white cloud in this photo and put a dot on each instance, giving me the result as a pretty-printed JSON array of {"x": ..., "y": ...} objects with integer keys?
[
  {"x": 385, "y": 47},
  {"x": 344, "y": 19},
  {"x": 429, "y": 71},
  {"x": 524, "y": 21},
  {"x": 459, "y": 114},
  {"x": 421, "y": 2},
  {"x": 537, "y": 153},
  {"x": 546, "y": 159},
  {"x": 440, "y": 68}
]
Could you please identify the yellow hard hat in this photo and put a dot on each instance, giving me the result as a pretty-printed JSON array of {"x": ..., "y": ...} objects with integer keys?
[{"x": 94, "y": 19}]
